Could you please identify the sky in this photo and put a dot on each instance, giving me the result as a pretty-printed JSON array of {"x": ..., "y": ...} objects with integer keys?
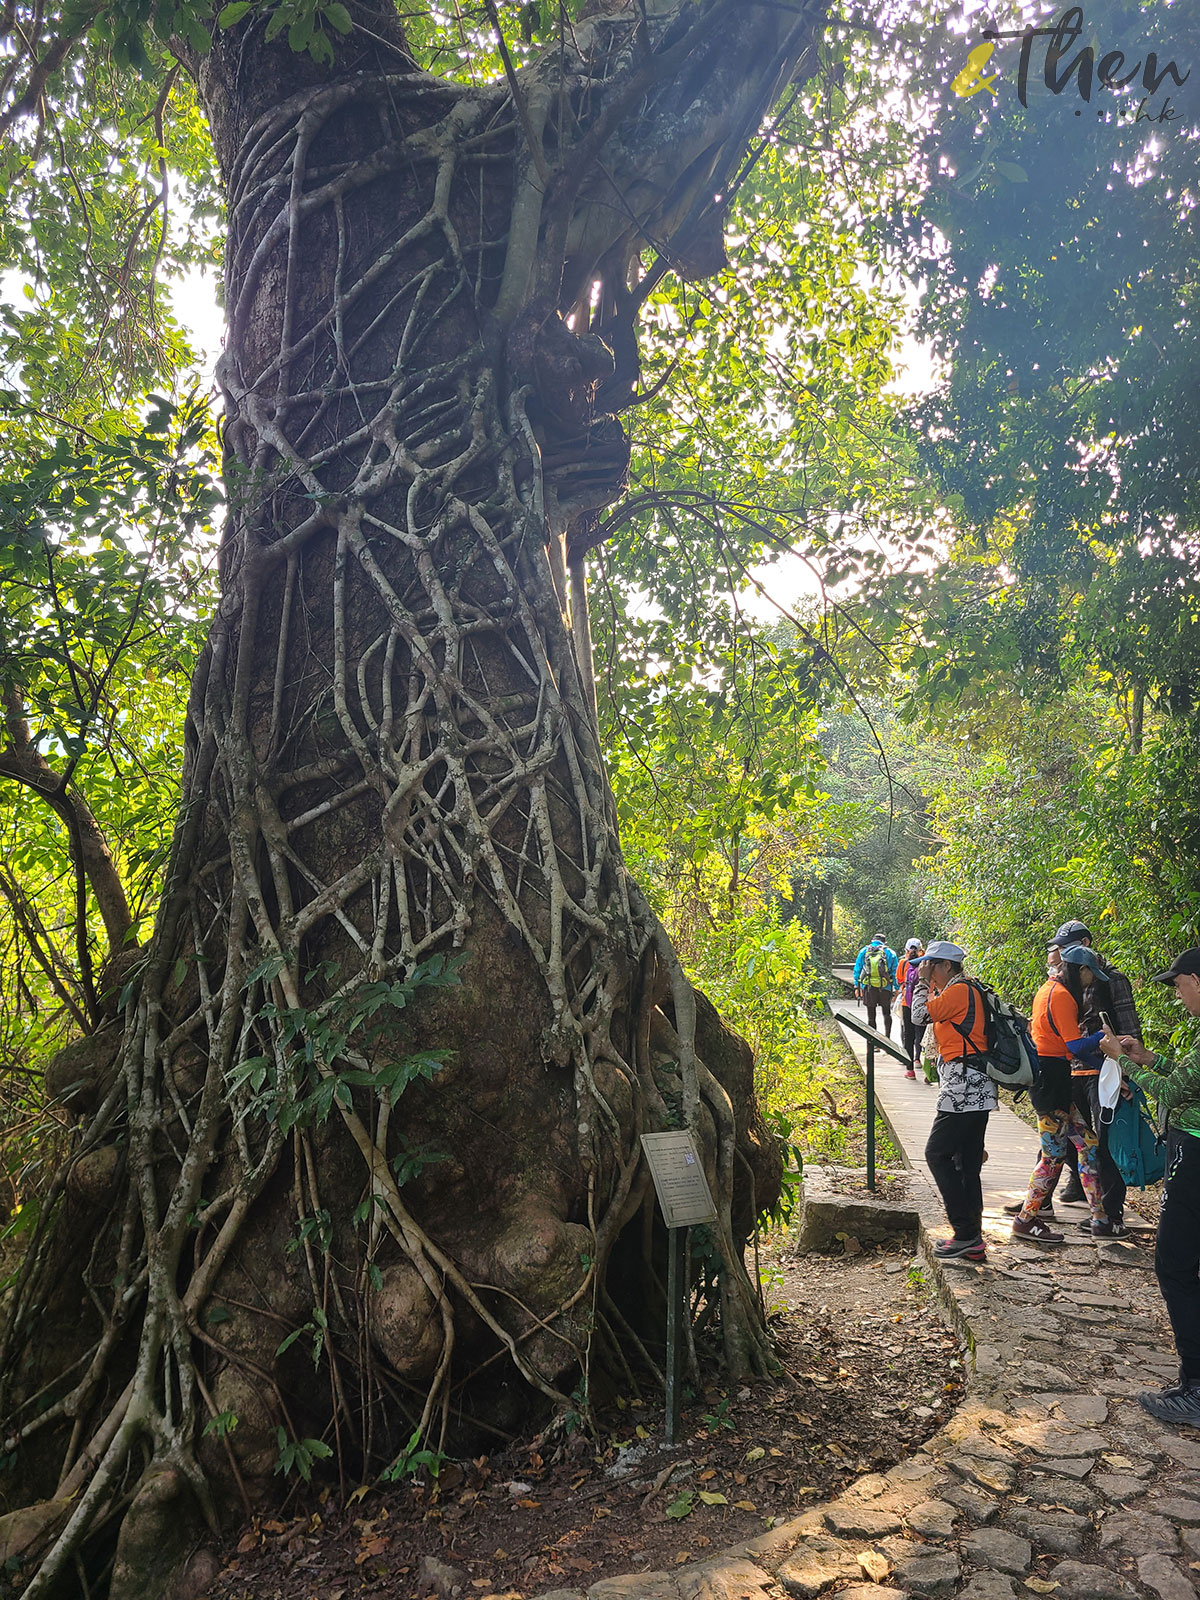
[{"x": 789, "y": 582}]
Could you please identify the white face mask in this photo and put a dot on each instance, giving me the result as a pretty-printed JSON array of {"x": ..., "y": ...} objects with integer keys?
[{"x": 1109, "y": 1086}]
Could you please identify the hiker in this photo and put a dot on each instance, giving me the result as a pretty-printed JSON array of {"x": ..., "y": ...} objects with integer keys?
[
  {"x": 875, "y": 980},
  {"x": 906, "y": 981},
  {"x": 1176, "y": 1087},
  {"x": 1118, "y": 1003},
  {"x": 1117, "y": 1000},
  {"x": 945, "y": 997},
  {"x": 1056, "y": 1028},
  {"x": 1085, "y": 978}
]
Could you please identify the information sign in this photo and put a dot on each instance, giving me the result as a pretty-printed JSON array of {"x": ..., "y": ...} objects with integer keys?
[{"x": 679, "y": 1180}]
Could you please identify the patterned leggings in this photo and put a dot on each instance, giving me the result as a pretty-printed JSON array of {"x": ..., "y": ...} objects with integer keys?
[{"x": 1055, "y": 1129}]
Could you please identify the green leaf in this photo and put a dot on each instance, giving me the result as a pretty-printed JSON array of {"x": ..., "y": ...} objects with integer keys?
[
  {"x": 338, "y": 17},
  {"x": 233, "y": 13},
  {"x": 683, "y": 1505}
]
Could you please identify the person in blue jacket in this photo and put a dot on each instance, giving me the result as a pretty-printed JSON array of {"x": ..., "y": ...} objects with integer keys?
[{"x": 875, "y": 980}]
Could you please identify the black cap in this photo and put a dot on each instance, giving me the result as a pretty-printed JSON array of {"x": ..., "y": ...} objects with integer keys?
[
  {"x": 1189, "y": 961},
  {"x": 1072, "y": 932}
]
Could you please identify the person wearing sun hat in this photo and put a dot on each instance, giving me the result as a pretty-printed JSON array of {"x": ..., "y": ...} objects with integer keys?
[
  {"x": 1175, "y": 1084},
  {"x": 954, "y": 1151}
]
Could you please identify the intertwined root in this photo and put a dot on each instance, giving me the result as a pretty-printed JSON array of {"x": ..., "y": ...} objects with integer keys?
[{"x": 364, "y": 1138}]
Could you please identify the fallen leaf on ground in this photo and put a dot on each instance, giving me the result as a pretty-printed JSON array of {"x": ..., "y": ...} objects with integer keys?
[{"x": 875, "y": 1566}]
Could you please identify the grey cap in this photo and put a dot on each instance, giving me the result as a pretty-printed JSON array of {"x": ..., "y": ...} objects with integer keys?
[
  {"x": 1072, "y": 932},
  {"x": 943, "y": 950}
]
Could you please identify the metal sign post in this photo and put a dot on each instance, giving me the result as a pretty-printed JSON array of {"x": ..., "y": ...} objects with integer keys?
[
  {"x": 875, "y": 1041},
  {"x": 685, "y": 1199}
]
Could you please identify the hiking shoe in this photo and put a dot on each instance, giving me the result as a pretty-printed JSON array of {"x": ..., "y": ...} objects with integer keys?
[
  {"x": 910, "y": 1073},
  {"x": 1107, "y": 1228},
  {"x": 1072, "y": 1193},
  {"x": 960, "y": 1250},
  {"x": 1179, "y": 1403},
  {"x": 1046, "y": 1213},
  {"x": 1036, "y": 1229}
]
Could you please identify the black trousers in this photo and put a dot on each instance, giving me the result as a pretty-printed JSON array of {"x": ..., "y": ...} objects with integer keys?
[
  {"x": 879, "y": 997},
  {"x": 954, "y": 1152},
  {"x": 1177, "y": 1250},
  {"x": 1112, "y": 1185},
  {"x": 910, "y": 1034}
]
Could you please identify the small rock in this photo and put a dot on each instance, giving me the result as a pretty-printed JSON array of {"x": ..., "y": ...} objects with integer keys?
[
  {"x": 1060, "y": 1531},
  {"x": 1191, "y": 1539},
  {"x": 1064, "y": 1492},
  {"x": 1079, "y": 1581},
  {"x": 1178, "y": 1510},
  {"x": 1117, "y": 1487},
  {"x": 989, "y": 1586},
  {"x": 1144, "y": 1439},
  {"x": 972, "y": 1502},
  {"x": 1181, "y": 1450},
  {"x": 726, "y": 1580},
  {"x": 1083, "y": 1409},
  {"x": 861, "y": 1522},
  {"x": 1130, "y": 1464},
  {"x": 933, "y": 1519},
  {"x": 636, "y": 1586},
  {"x": 998, "y": 1476},
  {"x": 1139, "y": 1532},
  {"x": 437, "y": 1577},
  {"x": 996, "y": 1547},
  {"x": 559, "y": 1594},
  {"x": 931, "y": 1572},
  {"x": 1058, "y": 1439},
  {"x": 1066, "y": 1468},
  {"x": 810, "y": 1572},
  {"x": 1160, "y": 1573},
  {"x": 1115, "y": 1254},
  {"x": 865, "y": 1591}
]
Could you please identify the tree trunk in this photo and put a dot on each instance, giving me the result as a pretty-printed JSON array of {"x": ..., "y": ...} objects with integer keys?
[{"x": 405, "y": 1015}]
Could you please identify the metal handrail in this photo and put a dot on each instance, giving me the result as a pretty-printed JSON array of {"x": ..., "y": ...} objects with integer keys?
[{"x": 875, "y": 1041}]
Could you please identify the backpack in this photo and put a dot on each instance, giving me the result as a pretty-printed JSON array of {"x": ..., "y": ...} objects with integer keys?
[
  {"x": 1008, "y": 1057},
  {"x": 1133, "y": 1142}
]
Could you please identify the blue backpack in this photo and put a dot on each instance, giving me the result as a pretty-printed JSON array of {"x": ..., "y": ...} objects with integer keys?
[{"x": 1133, "y": 1142}]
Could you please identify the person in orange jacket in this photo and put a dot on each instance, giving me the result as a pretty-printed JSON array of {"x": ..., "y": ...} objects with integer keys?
[{"x": 954, "y": 1151}]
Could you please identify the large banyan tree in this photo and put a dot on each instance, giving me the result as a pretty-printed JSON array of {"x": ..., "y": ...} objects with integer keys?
[{"x": 368, "y": 1104}]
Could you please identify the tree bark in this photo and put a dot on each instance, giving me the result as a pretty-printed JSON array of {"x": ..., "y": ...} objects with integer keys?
[
  {"x": 90, "y": 855},
  {"x": 392, "y": 760}
]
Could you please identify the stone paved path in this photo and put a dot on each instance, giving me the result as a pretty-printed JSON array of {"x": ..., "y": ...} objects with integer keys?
[{"x": 1048, "y": 1481}]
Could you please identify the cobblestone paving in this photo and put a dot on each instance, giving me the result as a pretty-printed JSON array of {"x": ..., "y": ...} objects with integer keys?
[{"x": 1050, "y": 1480}]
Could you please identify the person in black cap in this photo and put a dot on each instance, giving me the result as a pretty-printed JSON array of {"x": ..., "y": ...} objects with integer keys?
[
  {"x": 1117, "y": 1002},
  {"x": 1176, "y": 1087}
]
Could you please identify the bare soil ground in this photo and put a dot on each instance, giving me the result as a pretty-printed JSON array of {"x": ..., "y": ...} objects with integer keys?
[{"x": 868, "y": 1374}]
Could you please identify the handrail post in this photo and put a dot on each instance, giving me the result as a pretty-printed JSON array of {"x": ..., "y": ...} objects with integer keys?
[{"x": 871, "y": 1115}]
